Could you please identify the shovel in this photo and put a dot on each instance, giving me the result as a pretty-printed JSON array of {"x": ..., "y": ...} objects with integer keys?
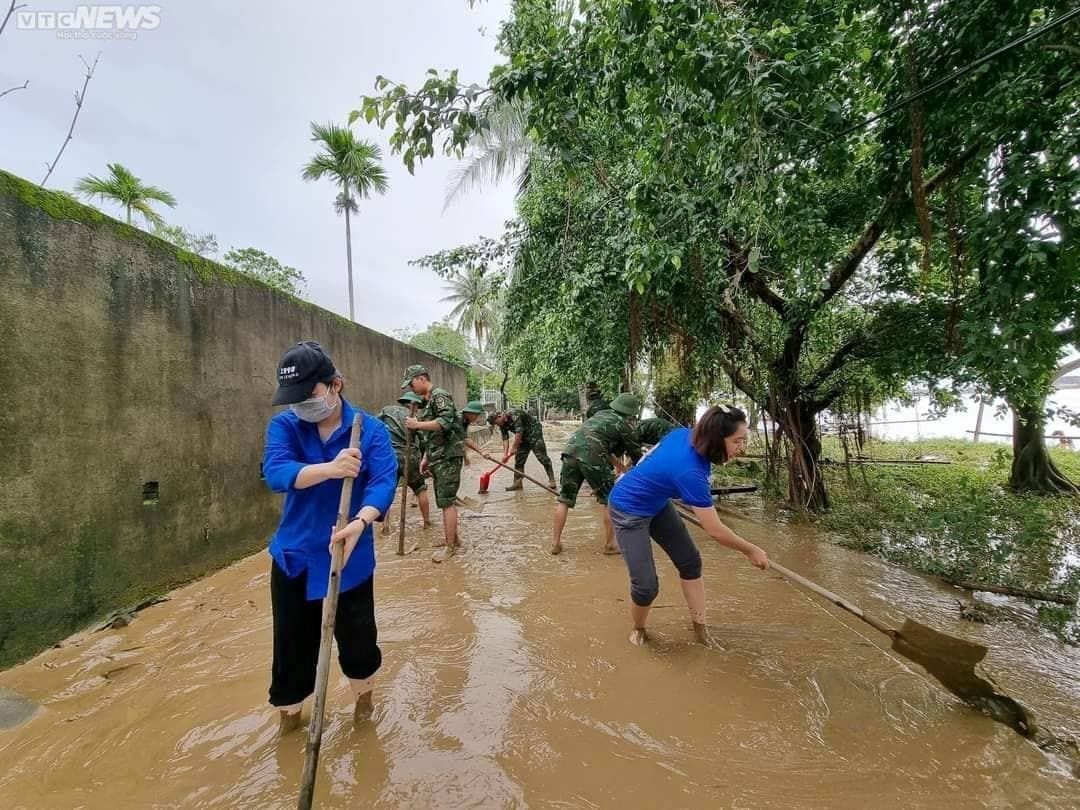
[
  {"x": 329, "y": 614},
  {"x": 950, "y": 660},
  {"x": 485, "y": 478}
]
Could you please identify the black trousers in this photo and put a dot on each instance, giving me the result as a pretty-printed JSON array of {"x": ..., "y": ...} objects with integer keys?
[{"x": 298, "y": 629}]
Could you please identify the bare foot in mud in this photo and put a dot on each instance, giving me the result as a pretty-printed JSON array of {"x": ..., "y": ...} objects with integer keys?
[
  {"x": 612, "y": 550},
  {"x": 556, "y": 549},
  {"x": 365, "y": 707},
  {"x": 705, "y": 637},
  {"x": 446, "y": 552},
  {"x": 638, "y": 637},
  {"x": 288, "y": 723}
]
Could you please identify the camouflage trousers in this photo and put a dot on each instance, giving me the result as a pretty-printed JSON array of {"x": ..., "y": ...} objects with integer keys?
[
  {"x": 539, "y": 449},
  {"x": 575, "y": 472},
  {"x": 417, "y": 482},
  {"x": 447, "y": 475}
]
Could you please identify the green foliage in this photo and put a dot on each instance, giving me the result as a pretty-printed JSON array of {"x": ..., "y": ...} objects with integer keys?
[
  {"x": 354, "y": 165},
  {"x": 126, "y": 190},
  {"x": 202, "y": 244},
  {"x": 700, "y": 182},
  {"x": 441, "y": 340},
  {"x": 474, "y": 295},
  {"x": 257, "y": 264}
]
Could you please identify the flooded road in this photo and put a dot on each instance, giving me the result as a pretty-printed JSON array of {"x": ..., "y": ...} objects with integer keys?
[{"x": 508, "y": 681}]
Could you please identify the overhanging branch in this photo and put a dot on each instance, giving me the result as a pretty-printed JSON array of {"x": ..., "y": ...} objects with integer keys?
[{"x": 738, "y": 268}]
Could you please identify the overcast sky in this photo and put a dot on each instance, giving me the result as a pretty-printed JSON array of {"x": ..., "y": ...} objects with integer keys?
[{"x": 214, "y": 105}]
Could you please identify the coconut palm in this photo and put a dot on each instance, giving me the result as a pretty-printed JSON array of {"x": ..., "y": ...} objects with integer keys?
[
  {"x": 356, "y": 167},
  {"x": 126, "y": 190},
  {"x": 500, "y": 147},
  {"x": 473, "y": 295}
]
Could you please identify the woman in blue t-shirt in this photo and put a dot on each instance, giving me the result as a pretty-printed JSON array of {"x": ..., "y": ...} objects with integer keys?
[{"x": 641, "y": 508}]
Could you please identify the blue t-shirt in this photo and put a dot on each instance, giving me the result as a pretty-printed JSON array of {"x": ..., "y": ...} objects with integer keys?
[
  {"x": 674, "y": 469},
  {"x": 302, "y": 540}
]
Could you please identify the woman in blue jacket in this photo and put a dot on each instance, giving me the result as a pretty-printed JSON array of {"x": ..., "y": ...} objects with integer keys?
[
  {"x": 679, "y": 466},
  {"x": 307, "y": 455}
]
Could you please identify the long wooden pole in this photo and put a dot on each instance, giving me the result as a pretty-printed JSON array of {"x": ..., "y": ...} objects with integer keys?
[
  {"x": 523, "y": 474},
  {"x": 405, "y": 484},
  {"x": 329, "y": 613}
]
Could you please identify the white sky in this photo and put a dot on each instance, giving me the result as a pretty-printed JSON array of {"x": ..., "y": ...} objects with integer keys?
[{"x": 214, "y": 105}]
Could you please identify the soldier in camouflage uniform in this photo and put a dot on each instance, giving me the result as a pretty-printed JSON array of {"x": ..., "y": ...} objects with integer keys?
[
  {"x": 651, "y": 431},
  {"x": 595, "y": 406},
  {"x": 528, "y": 438},
  {"x": 394, "y": 416},
  {"x": 589, "y": 456},
  {"x": 444, "y": 437}
]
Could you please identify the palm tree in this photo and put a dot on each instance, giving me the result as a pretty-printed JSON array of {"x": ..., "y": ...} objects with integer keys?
[
  {"x": 126, "y": 190},
  {"x": 473, "y": 294},
  {"x": 500, "y": 147},
  {"x": 356, "y": 167}
]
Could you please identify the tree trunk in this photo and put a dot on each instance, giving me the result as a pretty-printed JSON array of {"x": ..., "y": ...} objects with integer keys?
[
  {"x": 348, "y": 252},
  {"x": 1032, "y": 468},
  {"x": 806, "y": 486}
]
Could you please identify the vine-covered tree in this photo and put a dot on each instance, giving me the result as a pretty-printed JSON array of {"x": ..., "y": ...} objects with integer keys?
[{"x": 783, "y": 196}]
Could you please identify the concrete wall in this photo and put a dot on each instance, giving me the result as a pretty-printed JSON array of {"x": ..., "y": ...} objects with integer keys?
[{"x": 124, "y": 361}]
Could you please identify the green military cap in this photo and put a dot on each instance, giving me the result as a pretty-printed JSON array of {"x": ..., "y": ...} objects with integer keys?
[
  {"x": 626, "y": 404},
  {"x": 475, "y": 406},
  {"x": 409, "y": 398},
  {"x": 413, "y": 371}
]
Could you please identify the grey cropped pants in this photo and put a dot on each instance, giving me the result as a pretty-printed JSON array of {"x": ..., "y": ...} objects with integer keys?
[{"x": 635, "y": 533}]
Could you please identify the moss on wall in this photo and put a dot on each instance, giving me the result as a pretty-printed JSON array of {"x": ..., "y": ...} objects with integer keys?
[{"x": 125, "y": 362}]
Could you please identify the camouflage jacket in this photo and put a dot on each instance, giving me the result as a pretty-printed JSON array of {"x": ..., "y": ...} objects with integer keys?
[
  {"x": 448, "y": 442},
  {"x": 651, "y": 431},
  {"x": 394, "y": 416},
  {"x": 523, "y": 422},
  {"x": 606, "y": 434}
]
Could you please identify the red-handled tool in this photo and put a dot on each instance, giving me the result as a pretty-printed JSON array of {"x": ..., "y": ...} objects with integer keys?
[{"x": 485, "y": 478}]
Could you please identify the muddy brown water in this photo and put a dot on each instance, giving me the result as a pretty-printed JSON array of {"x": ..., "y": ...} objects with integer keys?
[{"x": 508, "y": 682}]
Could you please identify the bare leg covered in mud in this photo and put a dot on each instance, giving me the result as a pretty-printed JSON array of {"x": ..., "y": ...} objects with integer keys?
[
  {"x": 640, "y": 616},
  {"x": 559, "y": 524},
  {"x": 609, "y": 531},
  {"x": 450, "y": 532},
  {"x": 561, "y": 512},
  {"x": 289, "y": 718},
  {"x": 694, "y": 593},
  {"x": 425, "y": 508},
  {"x": 363, "y": 692}
]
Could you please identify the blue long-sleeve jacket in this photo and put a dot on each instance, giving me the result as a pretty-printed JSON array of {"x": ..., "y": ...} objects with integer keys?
[{"x": 302, "y": 539}]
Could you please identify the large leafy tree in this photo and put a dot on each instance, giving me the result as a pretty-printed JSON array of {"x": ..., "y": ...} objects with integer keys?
[
  {"x": 258, "y": 264},
  {"x": 355, "y": 167},
  {"x": 123, "y": 188},
  {"x": 767, "y": 192}
]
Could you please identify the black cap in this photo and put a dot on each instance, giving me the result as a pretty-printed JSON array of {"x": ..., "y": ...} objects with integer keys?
[{"x": 300, "y": 369}]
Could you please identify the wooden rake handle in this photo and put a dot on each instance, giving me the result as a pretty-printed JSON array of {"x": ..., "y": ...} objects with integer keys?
[
  {"x": 810, "y": 585},
  {"x": 523, "y": 474},
  {"x": 329, "y": 614},
  {"x": 405, "y": 484}
]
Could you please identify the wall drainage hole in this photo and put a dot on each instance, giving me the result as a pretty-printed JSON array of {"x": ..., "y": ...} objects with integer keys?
[{"x": 150, "y": 496}]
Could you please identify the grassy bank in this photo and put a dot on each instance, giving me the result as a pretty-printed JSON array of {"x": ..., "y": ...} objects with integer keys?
[{"x": 958, "y": 521}]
